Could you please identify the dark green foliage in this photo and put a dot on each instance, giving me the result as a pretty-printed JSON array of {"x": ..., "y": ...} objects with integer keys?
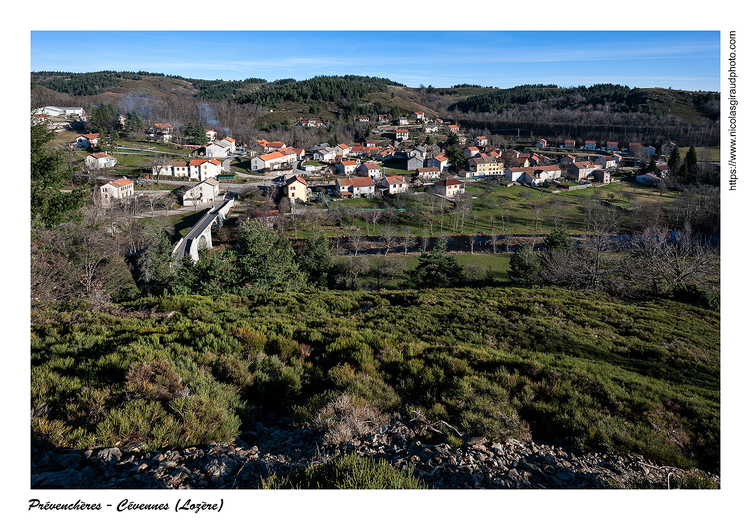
[
  {"x": 316, "y": 261},
  {"x": 196, "y": 132},
  {"x": 318, "y": 89},
  {"x": 436, "y": 269},
  {"x": 525, "y": 267},
  {"x": 105, "y": 120},
  {"x": 674, "y": 160},
  {"x": 155, "y": 265},
  {"x": 82, "y": 84},
  {"x": 691, "y": 293},
  {"x": 50, "y": 206},
  {"x": 263, "y": 261},
  {"x": 220, "y": 89},
  {"x": 558, "y": 241},
  {"x": 497, "y": 99},
  {"x": 691, "y": 164}
]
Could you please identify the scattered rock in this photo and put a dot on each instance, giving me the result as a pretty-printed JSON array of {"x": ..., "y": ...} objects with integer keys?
[{"x": 282, "y": 450}]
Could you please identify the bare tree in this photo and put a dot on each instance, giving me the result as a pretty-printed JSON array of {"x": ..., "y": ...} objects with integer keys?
[
  {"x": 158, "y": 163},
  {"x": 600, "y": 224},
  {"x": 352, "y": 267},
  {"x": 407, "y": 240},
  {"x": 675, "y": 258},
  {"x": 371, "y": 217},
  {"x": 356, "y": 241},
  {"x": 388, "y": 237}
]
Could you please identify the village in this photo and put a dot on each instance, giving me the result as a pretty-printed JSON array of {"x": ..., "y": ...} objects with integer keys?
[{"x": 401, "y": 156}]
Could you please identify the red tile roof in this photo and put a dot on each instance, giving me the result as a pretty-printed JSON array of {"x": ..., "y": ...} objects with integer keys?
[
  {"x": 357, "y": 182},
  {"x": 119, "y": 183}
]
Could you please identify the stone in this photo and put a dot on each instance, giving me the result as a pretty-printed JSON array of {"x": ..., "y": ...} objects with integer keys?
[{"x": 110, "y": 455}]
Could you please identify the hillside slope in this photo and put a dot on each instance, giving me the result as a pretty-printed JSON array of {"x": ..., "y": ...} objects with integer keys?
[{"x": 580, "y": 369}]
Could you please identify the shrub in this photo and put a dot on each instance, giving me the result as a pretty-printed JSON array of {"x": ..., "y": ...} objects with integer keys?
[
  {"x": 355, "y": 472},
  {"x": 345, "y": 419},
  {"x": 158, "y": 380},
  {"x": 691, "y": 293}
]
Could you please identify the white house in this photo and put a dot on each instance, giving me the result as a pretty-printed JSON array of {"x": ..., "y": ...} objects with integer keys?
[
  {"x": 117, "y": 189},
  {"x": 395, "y": 185},
  {"x": 548, "y": 173},
  {"x": 402, "y": 134},
  {"x": 206, "y": 191},
  {"x": 428, "y": 173},
  {"x": 87, "y": 140},
  {"x": 370, "y": 169},
  {"x": 203, "y": 169},
  {"x": 217, "y": 149},
  {"x": 272, "y": 161},
  {"x": 325, "y": 154},
  {"x": 439, "y": 161},
  {"x": 606, "y": 162},
  {"x": 100, "y": 160},
  {"x": 515, "y": 174},
  {"x": 346, "y": 167},
  {"x": 229, "y": 143},
  {"x": 173, "y": 169},
  {"x": 211, "y": 135},
  {"x": 449, "y": 187},
  {"x": 355, "y": 187},
  {"x": 342, "y": 150}
]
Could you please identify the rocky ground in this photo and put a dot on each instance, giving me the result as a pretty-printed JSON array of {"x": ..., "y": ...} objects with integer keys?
[{"x": 281, "y": 449}]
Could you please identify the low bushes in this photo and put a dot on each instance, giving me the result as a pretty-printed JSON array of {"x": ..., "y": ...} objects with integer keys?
[
  {"x": 349, "y": 472},
  {"x": 549, "y": 364}
]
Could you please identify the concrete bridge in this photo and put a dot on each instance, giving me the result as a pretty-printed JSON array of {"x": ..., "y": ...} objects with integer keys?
[{"x": 199, "y": 237}]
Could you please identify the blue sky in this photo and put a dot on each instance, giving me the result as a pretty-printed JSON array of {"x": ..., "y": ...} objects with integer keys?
[{"x": 678, "y": 59}]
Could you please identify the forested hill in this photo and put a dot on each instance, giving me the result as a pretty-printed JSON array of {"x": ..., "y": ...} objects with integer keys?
[
  {"x": 270, "y": 94},
  {"x": 464, "y": 98},
  {"x": 618, "y": 98},
  {"x": 600, "y": 112}
]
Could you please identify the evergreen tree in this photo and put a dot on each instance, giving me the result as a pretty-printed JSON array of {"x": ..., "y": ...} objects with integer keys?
[
  {"x": 674, "y": 159},
  {"x": 134, "y": 121},
  {"x": 436, "y": 269},
  {"x": 50, "y": 206},
  {"x": 155, "y": 265},
  {"x": 265, "y": 260},
  {"x": 691, "y": 162},
  {"x": 316, "y": 261},
  {"x": 200, "y": 136},
  {"x": 104, "y": 119},
  {"x": 525, "y": 267},
  {"x": 558, "y": 241}
]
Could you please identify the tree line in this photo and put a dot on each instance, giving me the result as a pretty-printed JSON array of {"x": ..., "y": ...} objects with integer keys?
[{"x": 317, "y": 89}]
